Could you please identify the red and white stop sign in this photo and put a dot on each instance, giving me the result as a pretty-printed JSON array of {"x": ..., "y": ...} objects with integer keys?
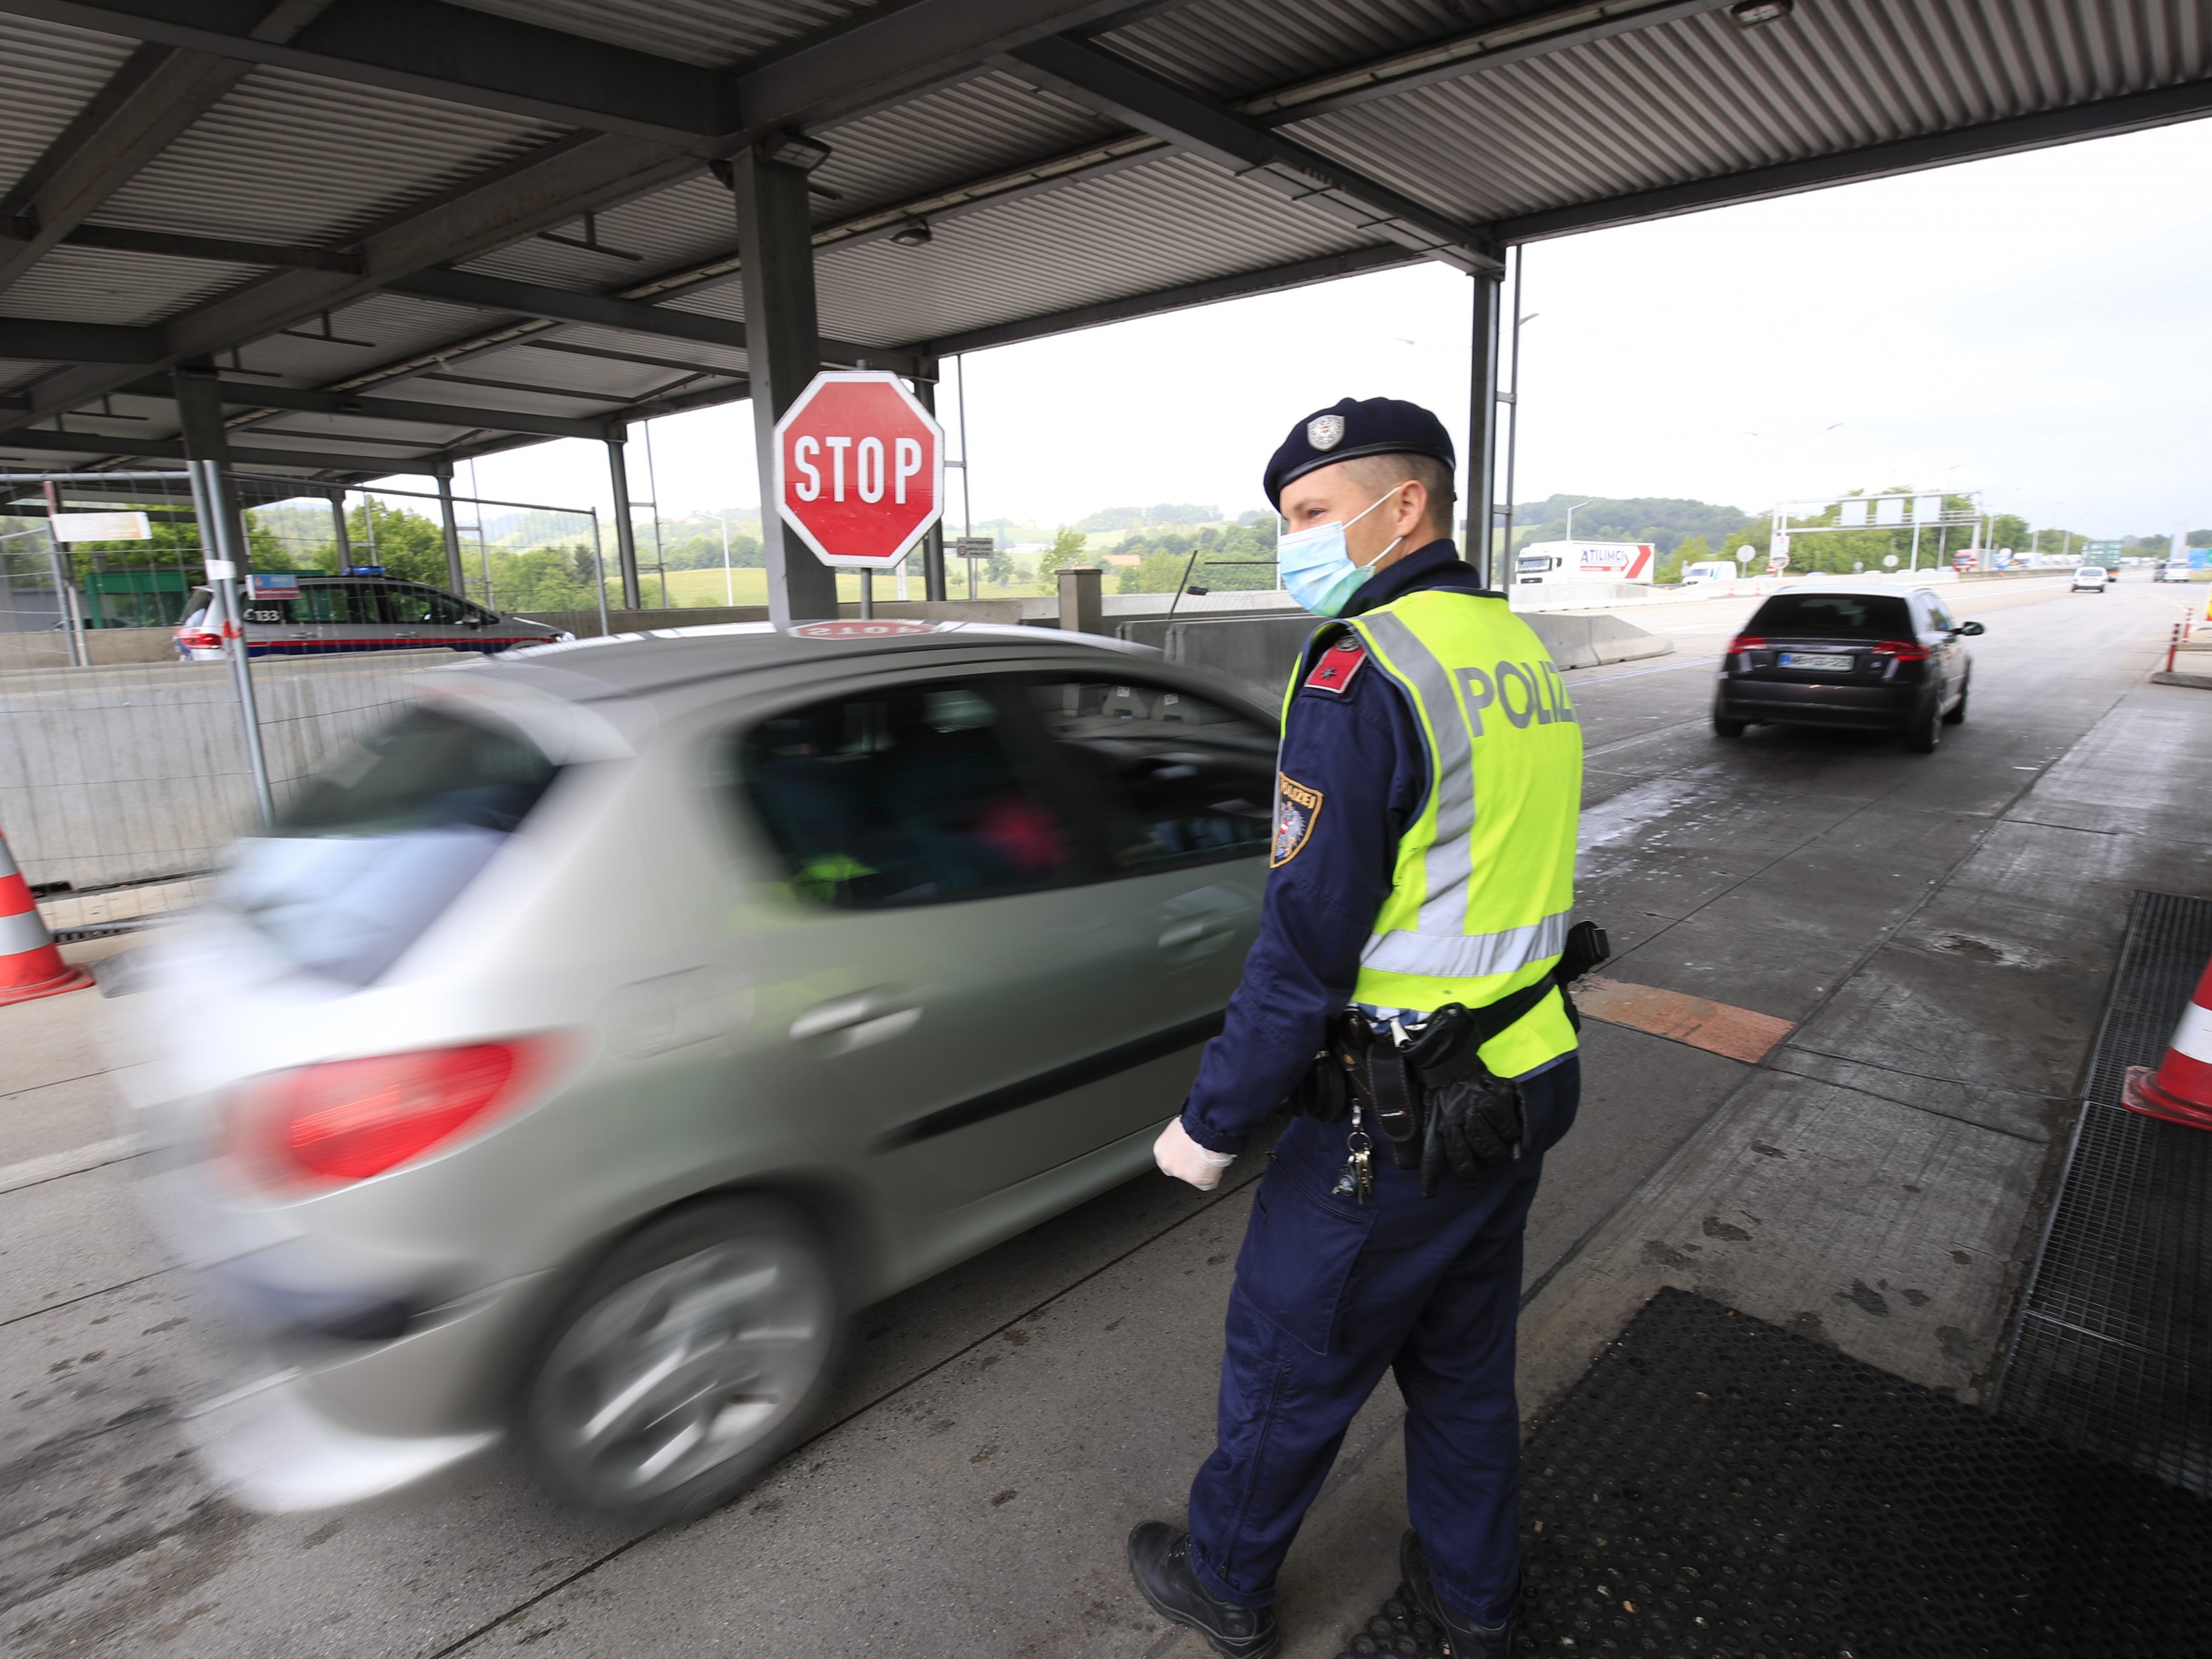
[{"x": 859, "y": 468}]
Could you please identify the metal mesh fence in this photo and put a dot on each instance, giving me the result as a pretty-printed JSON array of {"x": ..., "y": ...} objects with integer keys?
[{"x": 135, "y": 743}]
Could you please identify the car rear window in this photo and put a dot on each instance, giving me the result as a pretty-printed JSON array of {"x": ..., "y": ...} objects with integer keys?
[
  {"x": 374, "y": 850},
  {"x": 1834, "y": 616}
]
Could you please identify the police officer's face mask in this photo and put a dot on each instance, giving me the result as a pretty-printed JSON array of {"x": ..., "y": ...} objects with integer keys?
[{"x": 1317, "y": 567}]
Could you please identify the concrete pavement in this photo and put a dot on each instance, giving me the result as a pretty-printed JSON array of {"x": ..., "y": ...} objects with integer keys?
[{"x": 1936, "y": 929}]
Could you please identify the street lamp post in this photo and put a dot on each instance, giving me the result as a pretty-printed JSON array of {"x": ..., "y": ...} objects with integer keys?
[
  {"x": 729, "y": 592},
  {"x": 1571, "y": 517}
]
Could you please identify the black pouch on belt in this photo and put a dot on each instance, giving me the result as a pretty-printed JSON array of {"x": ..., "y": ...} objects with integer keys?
[{"x": 1397, "y": 1103}]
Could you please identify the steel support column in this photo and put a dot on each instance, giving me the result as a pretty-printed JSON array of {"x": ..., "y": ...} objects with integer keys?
[
  {"x": 1482, "y": 427},
  {"x": 343, "y": 537},
  {"x": 776, "y": 242},
  {"x": 223, "y": 545},
  {"x": 455, "y": 582},
  {"x": 204, "y": 438},
  {"x": 933, "y": 545},
  {"x": 625, "y": 531}
]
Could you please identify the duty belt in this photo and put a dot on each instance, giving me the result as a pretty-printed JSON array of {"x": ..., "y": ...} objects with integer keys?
[{"x": 1392, "y": 1081}]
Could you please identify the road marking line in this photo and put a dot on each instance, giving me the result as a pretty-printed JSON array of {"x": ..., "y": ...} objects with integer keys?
[
  {"x": 75, "y": 1161},
  {"x": 1718, "y": 1028}
]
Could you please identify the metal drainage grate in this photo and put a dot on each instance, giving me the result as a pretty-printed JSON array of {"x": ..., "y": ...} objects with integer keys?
[
  {"x": 2112, "y": 1351},
  {"x": 1717, "y": 1487}
]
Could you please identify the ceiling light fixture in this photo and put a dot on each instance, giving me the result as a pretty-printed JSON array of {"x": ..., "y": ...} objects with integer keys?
[
  {"x": 1750, "y": 14},
  {"x": 914, "y": 234},
  {"x": 795, "y": 149}
]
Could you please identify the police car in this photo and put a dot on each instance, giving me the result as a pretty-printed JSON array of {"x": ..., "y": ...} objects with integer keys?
[
  {"x": 630, "y": 1010},
  {"x": 290, "y": 615}
]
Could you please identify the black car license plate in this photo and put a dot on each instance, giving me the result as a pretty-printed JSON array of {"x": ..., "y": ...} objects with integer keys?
[{"x": 1827, "y": 662}]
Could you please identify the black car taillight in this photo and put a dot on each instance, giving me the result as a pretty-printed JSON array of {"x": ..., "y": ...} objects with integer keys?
[{"x": 1901, "y": 651}]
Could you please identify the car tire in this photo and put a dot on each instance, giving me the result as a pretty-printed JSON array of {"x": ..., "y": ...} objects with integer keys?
[
  {"x": 698, "y": 1353},
  {"x": 1926, "y": 737},
  {"x": 1725, "y": 727},
  {"x": 1958, "y": 715}
]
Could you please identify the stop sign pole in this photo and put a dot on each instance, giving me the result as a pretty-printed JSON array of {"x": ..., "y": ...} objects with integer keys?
[{"x": 859, "y": 471}]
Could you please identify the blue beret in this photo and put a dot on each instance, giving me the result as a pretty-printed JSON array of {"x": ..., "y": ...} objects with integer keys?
[{"x": 1361, "y": 426}]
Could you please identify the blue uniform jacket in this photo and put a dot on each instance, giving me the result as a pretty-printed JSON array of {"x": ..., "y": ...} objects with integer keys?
[{"x": 1358, "y": 750}]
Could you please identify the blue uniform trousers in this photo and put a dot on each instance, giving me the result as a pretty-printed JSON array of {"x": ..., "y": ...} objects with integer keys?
[{"x": 1330, "y": 1292}]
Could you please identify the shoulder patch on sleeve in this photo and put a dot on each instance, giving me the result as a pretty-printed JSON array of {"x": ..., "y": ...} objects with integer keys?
[
  {"x": 1297, "y": 808},
  {"x": 1337, "y": 665}
]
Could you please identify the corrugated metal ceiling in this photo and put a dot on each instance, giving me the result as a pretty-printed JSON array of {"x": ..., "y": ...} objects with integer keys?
[
  {"x": 53, "y": 71},
  {"x": 291, "y": 157},
  {"x": 287, "y": 157},
  {"x": 1178, "y": 221},
  {"x": 708, "y": 32},
  {"x": 1701, "y": 97}
]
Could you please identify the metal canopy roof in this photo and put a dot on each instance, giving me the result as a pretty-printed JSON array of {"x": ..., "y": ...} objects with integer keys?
[{"x": 370, "y": 215}]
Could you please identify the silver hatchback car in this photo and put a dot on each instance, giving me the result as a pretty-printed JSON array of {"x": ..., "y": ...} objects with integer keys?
[{"x": 628, "y": 1012}]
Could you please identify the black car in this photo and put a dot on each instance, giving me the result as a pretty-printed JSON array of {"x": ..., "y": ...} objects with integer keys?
[{"x": 1884, "y": 660}]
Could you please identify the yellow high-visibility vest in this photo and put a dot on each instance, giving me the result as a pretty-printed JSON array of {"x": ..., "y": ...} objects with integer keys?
[{"x": 1485, "y": 875}]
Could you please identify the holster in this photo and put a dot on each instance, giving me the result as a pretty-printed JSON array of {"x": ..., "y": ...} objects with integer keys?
[{"x": 1393, "y": 1085}]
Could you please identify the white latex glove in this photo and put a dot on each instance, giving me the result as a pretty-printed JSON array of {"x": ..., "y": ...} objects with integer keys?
[{"x": 1178, "y": 1155}]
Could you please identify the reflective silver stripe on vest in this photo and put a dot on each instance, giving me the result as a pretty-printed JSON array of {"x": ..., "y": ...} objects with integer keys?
[
  {"x": 1468, "y": 956},
  {"x": 1447, "y": 862}
]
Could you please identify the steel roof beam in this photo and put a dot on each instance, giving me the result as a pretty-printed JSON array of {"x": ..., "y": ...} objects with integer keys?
[
  {"x": 1240, "y": 286},
  {"x": 1115, "y": 87},
  {"x": 244, "y": 395},
  {"x": 565, "y": 305},
  {"x": 467, "y": 57},
  {"x": 2133, "y": 112},
  {"x": 1514, "y": 40},
  {"x": 543, "y": 189},
  {"x": 102, "y": 443},
  {"x": 149, "y": 103},
  {"x": 173, "y": 246},
  {"x": 36, "y": 340}
]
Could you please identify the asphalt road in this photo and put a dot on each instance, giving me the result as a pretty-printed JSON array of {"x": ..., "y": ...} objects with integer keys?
[{"x": 1004, "y": 1423}]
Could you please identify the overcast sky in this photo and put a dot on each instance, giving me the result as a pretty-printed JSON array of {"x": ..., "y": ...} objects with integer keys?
[{"x": 2035, "y": 327}]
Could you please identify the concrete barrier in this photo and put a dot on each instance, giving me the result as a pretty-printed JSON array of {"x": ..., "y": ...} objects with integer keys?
[
  {"x": 125, "y": 774},
  {"x": 1257, "y": 653},
  {"x": 106, "y": 647}
]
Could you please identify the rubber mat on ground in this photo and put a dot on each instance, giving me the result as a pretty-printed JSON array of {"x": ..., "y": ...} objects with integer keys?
[
  {"x": 2112, "y": 1351},
  {"x": 1715, "y": 1485}
]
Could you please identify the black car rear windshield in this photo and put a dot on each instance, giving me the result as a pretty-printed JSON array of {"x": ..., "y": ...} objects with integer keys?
[
  {"x": 374, "y": 850},
  {"x": 1834, "y": 616}
]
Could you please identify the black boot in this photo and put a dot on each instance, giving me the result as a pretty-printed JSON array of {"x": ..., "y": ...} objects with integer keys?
[
  {"x": 1468, "y": 1639},
  {"x": 1159, "y": 1560}
]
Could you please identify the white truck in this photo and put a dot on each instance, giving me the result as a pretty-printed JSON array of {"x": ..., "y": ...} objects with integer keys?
[
  {"x": 1711, "y": 570},
  {"x": 1583, "y": 561}
]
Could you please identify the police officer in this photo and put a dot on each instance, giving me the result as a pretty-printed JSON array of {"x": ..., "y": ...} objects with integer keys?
[{"x": 1430, "y": 778}]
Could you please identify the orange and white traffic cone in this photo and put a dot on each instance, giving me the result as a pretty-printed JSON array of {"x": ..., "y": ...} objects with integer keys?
[
  {"x": 2180, "y": 1091},
  {"x": 30, "y": 966}
]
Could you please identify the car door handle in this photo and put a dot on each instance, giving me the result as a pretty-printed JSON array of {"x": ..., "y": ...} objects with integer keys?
[
  {"x": 855, "y": 1021},
  {"x": 1194, "y": 930}
]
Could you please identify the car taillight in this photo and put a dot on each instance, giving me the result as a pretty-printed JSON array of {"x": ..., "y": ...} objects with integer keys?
[
  {"x": 346, "y": 1120},
  {"x": 199, "y": 639},
  {"x": 1902, "y": 650},
  {"x": 1746, "y": 642}
]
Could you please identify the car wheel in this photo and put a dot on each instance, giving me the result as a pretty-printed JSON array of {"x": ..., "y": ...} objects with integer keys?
[
  {"x": 1958, "y": 715},
  {"x": 1725, "y": 727},
  {"x": 694, "y": 1356},
  {"x": 1923, "y": 738}
]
